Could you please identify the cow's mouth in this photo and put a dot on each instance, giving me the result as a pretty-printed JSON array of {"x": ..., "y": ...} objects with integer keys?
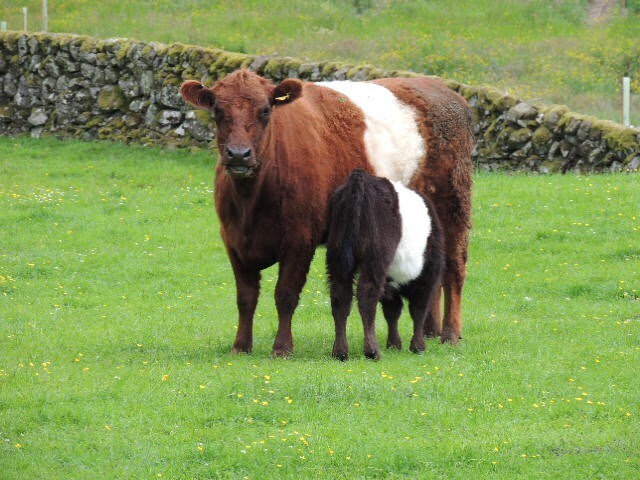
[{"x": 240, "y": 171}]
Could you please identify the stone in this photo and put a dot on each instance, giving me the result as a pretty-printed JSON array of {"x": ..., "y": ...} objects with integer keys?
[
  {"x": 38, "y": 117},
  {"x": 170, "y": 97},
  {"x": 87, "y": 70},
  {"x": 36, "y": 132},
  {"x": 520, "y": 111},
  {"x": 170, "y": 117},
  {"x": 146, "y": 82},
  {"x": 138, "y": 105},
  {"x": 199, "y": 130},
  {"x": 32, "y": 43},
  {"x": 10, "y": 86},
  {"x": 129, "y": 87}
]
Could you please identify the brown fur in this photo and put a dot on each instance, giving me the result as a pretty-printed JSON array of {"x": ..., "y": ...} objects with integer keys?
[
  {"x": 444, "y": 120},
  {"x": 283, "y": 152}
]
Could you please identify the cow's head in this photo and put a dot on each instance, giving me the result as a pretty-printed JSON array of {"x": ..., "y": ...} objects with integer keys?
[{"x": 242, "y": 104}]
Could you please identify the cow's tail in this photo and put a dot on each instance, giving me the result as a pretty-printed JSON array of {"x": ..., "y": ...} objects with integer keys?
[{"x": 344, "y": 227}]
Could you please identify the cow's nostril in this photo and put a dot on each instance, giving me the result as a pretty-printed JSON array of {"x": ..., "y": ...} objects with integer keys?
[{"x": 239, "y": 153}]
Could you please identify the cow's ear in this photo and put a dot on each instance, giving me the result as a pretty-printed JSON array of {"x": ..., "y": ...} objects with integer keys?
[
  {"x": 287, "y": 91},
  {"x": 197, "y": 94}
]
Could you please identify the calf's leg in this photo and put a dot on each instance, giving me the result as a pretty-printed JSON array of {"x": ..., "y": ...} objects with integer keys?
[
  {"x": 368, "y": 295},
  {"x": 341, "y": 298},
  {"x": 392, "y": 308}
]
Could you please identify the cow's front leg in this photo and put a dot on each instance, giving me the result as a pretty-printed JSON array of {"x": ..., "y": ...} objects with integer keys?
[
  {"x": 291, "y": 279},
  {"x": 247, "y": 292}
]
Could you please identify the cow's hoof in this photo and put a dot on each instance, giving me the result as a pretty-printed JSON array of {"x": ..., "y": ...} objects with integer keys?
[
  {"x": 449, "y": 336},
  {"x": 342, "y": 356},
  {"x": 241, "y": 349},
  {"x": 397, "y": 344},
  {"x": 282, "y": 352}
]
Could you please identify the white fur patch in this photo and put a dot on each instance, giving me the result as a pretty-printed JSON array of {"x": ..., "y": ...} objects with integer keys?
[
  {"x": 392, "y": 141},
  {"x": 416, "y": 228}
]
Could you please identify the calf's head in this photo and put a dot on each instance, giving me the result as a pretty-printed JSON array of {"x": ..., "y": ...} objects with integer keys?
[{"x": 242, "y": 104}]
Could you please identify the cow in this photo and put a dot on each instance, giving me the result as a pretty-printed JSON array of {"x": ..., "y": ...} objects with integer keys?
[
  {"x": 284, "y": 149},
  {"x": 392, "y": 237}
]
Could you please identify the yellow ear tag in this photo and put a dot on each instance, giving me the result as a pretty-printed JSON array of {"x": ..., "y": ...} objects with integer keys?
[{"x": 283, "y": 98}]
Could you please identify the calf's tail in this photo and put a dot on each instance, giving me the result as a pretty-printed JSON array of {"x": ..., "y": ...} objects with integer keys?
[{"x": 344, "y": 227}]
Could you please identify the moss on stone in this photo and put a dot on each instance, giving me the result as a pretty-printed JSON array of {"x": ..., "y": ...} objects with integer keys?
[
  {"x": 234, "y": 61},
  {"x": 111, "y": 98},
  {"x": 205, "y": 118},
  {"x": 95, "y": 121},
  {"x": 619, "y": 137},
  {"x": 10, "y": 41},
  {"x": 495, "y": 98},
  {"x": 541, "y": 137},
  {"x": 121, "y": 53},
  {"x": 519, "y": 137}
]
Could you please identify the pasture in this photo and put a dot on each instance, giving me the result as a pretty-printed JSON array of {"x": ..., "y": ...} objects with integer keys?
[
  {"x": 540, "y": 50},
  {"x": 118, "y": 313}
]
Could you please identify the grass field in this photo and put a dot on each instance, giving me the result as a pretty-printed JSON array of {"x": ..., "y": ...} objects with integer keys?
[
  {"x": 117, "y": 315},
  {"x": 541, "y": 50}
]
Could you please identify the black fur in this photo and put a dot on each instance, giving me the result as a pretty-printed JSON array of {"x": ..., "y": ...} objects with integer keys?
[{"x": 365, "y": 227}]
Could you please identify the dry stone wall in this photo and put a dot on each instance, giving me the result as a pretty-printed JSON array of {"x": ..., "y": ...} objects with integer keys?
[{"x": 123, "y": 90}]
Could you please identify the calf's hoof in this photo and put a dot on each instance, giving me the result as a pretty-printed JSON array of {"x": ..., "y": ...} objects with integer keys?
[
  {"x": 372, "y": 355},
  {"x": 417, "y": 346},
  {"x": 431, "y": 333}
]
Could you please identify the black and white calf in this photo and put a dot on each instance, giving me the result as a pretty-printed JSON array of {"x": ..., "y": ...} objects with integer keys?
[{"x": 392, "y": 237}]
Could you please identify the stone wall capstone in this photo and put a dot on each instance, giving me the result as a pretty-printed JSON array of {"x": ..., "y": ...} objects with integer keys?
[{"x": 117, "y": 89}]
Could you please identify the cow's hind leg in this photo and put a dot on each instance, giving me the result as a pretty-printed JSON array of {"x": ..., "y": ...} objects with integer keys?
[
  {"x": 392, "y": 308},
  {"x": 341, "y": 297},
  {"x": 453, "y": 282},
  {"x": 368, "y": 296}
]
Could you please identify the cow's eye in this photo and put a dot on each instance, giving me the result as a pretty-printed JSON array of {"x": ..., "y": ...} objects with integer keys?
[{"x": 265, "y": 113}]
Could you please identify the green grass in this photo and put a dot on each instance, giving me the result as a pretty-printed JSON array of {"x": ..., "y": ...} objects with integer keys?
[
  {"x": 540, "y": 50},
  {"x": 117, "y": 315}
]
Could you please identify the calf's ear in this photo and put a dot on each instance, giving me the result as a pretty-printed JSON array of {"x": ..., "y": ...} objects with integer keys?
[
  {"x": 287, "y": 91},
  {"x": 197, "y": 94}
]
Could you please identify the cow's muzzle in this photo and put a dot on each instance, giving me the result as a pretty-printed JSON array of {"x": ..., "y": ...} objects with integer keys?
[{"x": 239, "y": 162}]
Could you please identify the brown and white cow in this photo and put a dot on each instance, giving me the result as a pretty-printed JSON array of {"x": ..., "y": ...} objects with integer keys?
[{"x": 285, "y": 149}]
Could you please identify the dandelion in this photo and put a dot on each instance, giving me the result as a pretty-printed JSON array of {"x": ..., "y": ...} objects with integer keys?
[{"x": 165, "y": 377}]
